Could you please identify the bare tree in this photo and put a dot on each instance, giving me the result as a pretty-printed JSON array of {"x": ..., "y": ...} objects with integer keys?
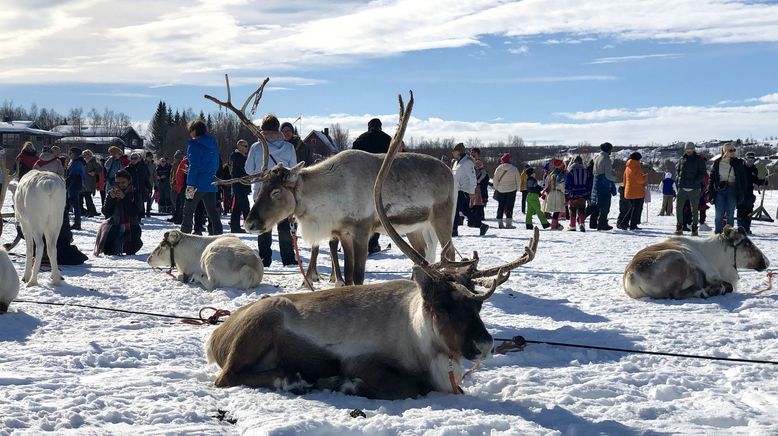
[
  {"x": 340, "y": 136},
  {"x": 76, "y": 120}
]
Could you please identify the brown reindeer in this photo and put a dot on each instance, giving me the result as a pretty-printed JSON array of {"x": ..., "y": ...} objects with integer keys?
[{"x": 390, "y": 340}]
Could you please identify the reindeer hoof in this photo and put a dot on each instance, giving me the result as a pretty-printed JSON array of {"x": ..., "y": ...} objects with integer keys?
[{"x": 32, "y": 283}]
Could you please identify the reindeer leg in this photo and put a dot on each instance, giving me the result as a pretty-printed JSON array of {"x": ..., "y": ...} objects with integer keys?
[
  {"x": 418, "y": 243},
  {"x": 51, "y": 249},
  {"x": 29, "y": 244},
  {"x": 375, "y": 377},
  {"x": 312, "y": 273},
  {"x": 335, "y": 276},
  {"x": 37, "y": 241},
  {"x": 347, "y": 240},
  {"x": 360, "y": 259}
]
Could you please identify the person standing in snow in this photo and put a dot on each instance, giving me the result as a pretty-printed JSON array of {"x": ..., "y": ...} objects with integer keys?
[
  {"x": 668, "y": 195},
  {"x": 745, "y": 208},
  {"x": 507, "y": 181},
  {"x": 533, "y": 201},
  {"x": 690, "y": 172},
  {"x": 279, "y": 152},
  {"x": 26, "y": 159},
  {"x": 112, "y": 166},
  {"x": 728, "y": 179},
  {"x": 634, "y": 192},
  {"x": 604, "y": 186},
  {"x": 555, "y": 192},
  {"x": 75, "y": 182},
  {"x": 465, "y": 182},
  {"x": 578, "y": 187},
  {"x": 49, "y": 161},
  {"x": 203, "y": 158},
  {"x": 374, "y": 141}
]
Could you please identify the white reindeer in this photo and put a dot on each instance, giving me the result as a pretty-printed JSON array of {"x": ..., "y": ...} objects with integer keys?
[
  {"x": 9, "y": 281},
  {"x": 39, "y": 203}
]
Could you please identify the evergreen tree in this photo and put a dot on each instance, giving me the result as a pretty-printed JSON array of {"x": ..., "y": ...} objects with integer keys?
[{"x": 158, "y": 127}]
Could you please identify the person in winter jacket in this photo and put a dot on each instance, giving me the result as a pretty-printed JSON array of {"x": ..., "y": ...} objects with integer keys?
[
  {"x": 533, "y": 201},
  {"x": 690, "y": 172},
  {"x": 140, "y": 181},
  {"x": 477, "y": 200},
  {"x": 179, "y": 186},
  {"x": 374, "y": 140},
  {"x": 163, "y": 174},
  {"x": 120, "y": 234},
  {"x": 668, "y": 195},
  {"x": 481, "y": 175},
  {"x": 604, "y": 186},
  {"x": 279, "y": 152},
  {"x": 49, "y": 161},
  {"x": 578, "y": 188},
  {"x": 75, "y": 182},
  {"x": 465, "y": 184},
  {"x": 634, "y": 192},
  {"x": 151, "y": 183},
  {"x": 523, "y": 188},
  {"x": 728, "y": 179},
  {"x": 112, "y": 166},
  {"x": 302, "y": 150},
  {"x": 240, "y": 192},
  {"x": 203, "y": 155},
  {"x": 93, "y": 170},
  {"x": 745, "y": 208},
  {"x": 507, "y": 181},
  {"x": 26, "y": 159},
  {"x": 554, "y": 192}
]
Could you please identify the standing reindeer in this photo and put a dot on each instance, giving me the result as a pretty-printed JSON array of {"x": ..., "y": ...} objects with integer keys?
[{"x": 390, "y": 340}]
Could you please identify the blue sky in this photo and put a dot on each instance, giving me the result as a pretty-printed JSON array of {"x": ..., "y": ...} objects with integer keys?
[{"x": 552, "y": 71}]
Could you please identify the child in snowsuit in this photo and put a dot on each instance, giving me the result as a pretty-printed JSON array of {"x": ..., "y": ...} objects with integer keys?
[
  {"x": 533, "y": 201},
  {"x": 668, "y": 195}
]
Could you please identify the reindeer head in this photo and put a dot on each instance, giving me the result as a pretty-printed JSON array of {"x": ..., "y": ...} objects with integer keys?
[
  {"x": 275, "y": 201},
  {"x": 447, "y": 287},
  {"x": 161, "y": 256},
  {"x": 747, "y": 254}
]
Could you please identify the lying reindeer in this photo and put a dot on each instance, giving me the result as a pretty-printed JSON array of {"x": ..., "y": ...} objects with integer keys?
[
  {"x": 686, "y": 267},
  {"x": 390, "y": 340}
]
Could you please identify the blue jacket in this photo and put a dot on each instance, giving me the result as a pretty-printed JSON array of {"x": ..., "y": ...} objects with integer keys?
[
  {"x": 578, "y": 182},
  {"x": 667, "y": 187},
  {"x": 75, "y": 179},
  {"x": 203, "y": 163}
]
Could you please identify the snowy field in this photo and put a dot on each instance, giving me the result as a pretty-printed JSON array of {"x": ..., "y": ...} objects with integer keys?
[{"x": 80, "y": 371}]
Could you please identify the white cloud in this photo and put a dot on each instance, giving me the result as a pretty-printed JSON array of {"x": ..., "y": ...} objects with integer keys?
[
  {"x": 185, "y": 42},
  {"x": 620, "y": 126},
  {"x": 617, "y": 59},
  {"x": 522, "y": 49}
]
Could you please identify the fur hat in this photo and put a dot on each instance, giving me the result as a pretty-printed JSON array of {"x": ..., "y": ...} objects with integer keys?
[
  {"x": 606, "y": 147},
  {"x": 460, "y": 147},
  {"x": 635, "y": 155},
  {"x": 505, "y": 158}
]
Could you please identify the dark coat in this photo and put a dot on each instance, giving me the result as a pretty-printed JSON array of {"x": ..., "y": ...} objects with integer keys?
[
  {"x": 239, "y": 170},
  {"x": 91, "y": 180},
  {"x": 667, "y": 187},
  {"x": 578, "y": 182},
  {"x": 121, "y": 233},
  {"x": 163, "y": 174},
  {"x": 140, "y": 178},
  {"x": 75, "y": 181},
  {"x": 302, "y": 150},
  {"x": 373, "y": 141},
  {"x": 691, "y": 171},
  {"x": 738, "y": 167},
  {"x": 752, "y": 178}
]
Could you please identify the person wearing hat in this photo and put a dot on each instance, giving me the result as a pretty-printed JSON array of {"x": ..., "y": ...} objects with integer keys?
[
  {"x": 506, "y": 181},
  {"x": 93, "y": 170},
  {"x": 668, "y": 195},
  {"x": 533, "y": 201},
  {"x": 728, "y": 180},
  {"x": 49, "y": 161},
  {"x": 140, "y": 181},
  {"x": 465, "y": 183},
  {"x": 578, "y": 188},
  {"x": 745, "y": 208},
  {"x": 604, "y": 186},
  {"x": 690, "y": 172},
  {"x": 75, "y": 182},
  {"x": 634, "y": 192},
  {"x": 112, "y": 166}
]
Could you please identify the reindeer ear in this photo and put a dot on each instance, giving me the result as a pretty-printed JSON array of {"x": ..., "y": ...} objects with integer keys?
[
  {"x": 294, "y": 172},
  {"x": 173, "y": 236},
  {"x": 425, "y": 283}
]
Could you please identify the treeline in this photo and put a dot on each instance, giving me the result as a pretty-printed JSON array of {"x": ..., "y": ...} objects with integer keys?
[{"x": 47, "y": 119}]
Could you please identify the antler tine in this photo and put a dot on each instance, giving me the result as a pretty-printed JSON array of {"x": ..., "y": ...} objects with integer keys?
[
  {"x": 258, "y": 93},
  {"x": 502, "y": 275},
  {"x": 241, "y": 114},
  {"x": 529, "y": 254},
  {"x": 394, "y": 146}
]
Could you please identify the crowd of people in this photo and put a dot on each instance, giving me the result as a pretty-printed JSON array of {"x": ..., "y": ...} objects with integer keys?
[{"x": 183, "y": 187}]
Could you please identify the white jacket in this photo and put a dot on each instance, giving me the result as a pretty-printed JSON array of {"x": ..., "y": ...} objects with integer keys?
[
  {"x": 280, "y": 152},
  {"x": 464, "y": 175},
  {"x": 506, "y": 178}
]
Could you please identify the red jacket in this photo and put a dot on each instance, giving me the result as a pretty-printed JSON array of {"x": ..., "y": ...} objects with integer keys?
[{"x": 181, "y": 171}]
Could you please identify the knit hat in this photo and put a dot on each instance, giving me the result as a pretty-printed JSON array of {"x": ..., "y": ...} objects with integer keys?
[
  {"x": 689, "y": 146},
  {"x": 505, "y": 158},
  {"x": 460, "y": 147},
  {"x": 668, "y": 175},
  {"x": 557, "y": 163},
  {"x": 635, "y": 155},
  {"x": 135, "y": 155},
  {"x": 75, "y": 150},
  {"x": 606, "y": 147}
]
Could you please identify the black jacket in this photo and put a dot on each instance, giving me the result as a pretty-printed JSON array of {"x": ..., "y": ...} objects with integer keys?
[
  {"x": 752, "y": 178},
  {"x": 691, "y": 171},
  {"x": 140, "y": 178},
  {"x": 739, "y": 168},
  {"x": 239, "y": 170},
  {"x": 373, "y": 141}
]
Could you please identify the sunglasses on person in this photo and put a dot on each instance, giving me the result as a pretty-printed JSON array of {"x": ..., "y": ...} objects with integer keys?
[{"x": 732, "y": 150}]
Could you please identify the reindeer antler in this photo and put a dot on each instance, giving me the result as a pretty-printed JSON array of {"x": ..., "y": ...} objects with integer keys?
[
  {"x": 245, "y": 119},
  {"x": 529, "y": 254}
]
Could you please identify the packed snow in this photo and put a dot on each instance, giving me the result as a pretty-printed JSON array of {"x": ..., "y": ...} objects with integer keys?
[{"x": 73, "y": 370}]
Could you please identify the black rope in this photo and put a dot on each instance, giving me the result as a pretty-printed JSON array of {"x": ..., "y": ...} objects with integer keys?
[
  {"x": 112, "y": 309},
  {"x": 519, "y": 341}
]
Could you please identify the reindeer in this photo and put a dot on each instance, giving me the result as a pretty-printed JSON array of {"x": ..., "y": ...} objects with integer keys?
[
  {"x": 684, "y": 267},
  {"x": 390, "y": 340}
]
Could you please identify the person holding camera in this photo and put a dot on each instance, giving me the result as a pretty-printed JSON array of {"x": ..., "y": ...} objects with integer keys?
[
  {"x": 120, "y": 233},
  {"x": 690, "y": 171},
  {"x": 728, "y": 178},
  {"x": 203, "y": 157}
]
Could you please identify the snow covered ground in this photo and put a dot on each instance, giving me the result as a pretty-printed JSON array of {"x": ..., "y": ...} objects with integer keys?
[{"x": 80, "y": 371}]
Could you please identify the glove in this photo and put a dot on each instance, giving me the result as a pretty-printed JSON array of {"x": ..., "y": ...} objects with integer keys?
[{"x": 190, "y": 192}]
